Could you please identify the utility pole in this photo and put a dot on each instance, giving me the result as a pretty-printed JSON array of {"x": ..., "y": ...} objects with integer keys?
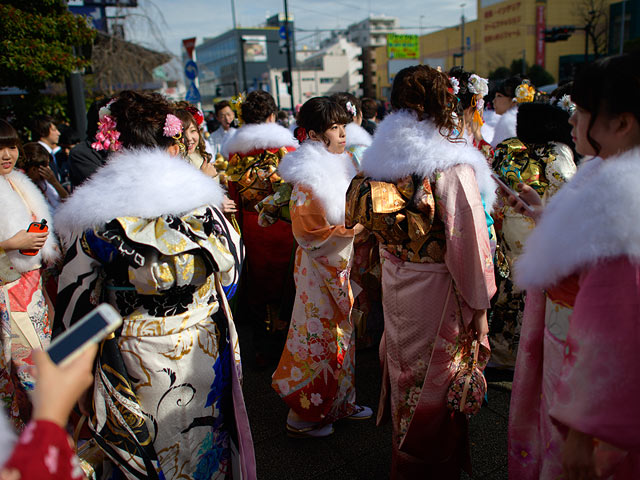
[
  {"x": 289, "y": 78},
  {"x": 624, "y": 14},
  {"x": 462, "y": 36},
  {"x": 240, "y": 41}
]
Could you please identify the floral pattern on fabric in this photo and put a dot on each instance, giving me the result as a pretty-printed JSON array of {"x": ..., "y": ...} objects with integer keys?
[{"x": 315, "y": 376}]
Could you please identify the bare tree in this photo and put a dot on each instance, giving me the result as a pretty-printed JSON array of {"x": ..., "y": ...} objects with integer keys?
[{"x": 594, "y": 16}]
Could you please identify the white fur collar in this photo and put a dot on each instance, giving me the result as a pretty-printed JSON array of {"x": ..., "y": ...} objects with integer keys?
[
  {"x": 403, "y": 146},
  {"x": 258, "y": 136},
  {"x": 591, "y": 218},
  {"x": 506, "y": 126},
  {"x": 138, "y": 183},
  {"x": 326, "y": 174},
  {"x": 356, "y": 135},
  {"x": 16, "y": 216}
]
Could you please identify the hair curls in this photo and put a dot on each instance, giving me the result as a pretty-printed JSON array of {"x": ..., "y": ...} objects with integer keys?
[
  {"x": 425, "y": 91},
  {"x": 258, "y": 106}
]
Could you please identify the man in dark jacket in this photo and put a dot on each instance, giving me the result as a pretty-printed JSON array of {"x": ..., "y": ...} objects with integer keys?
[{"x": 84, "y": 160}]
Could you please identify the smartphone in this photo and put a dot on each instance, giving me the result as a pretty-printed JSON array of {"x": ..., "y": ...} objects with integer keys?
[
  {"x": 35, "y": 227},
  {"x": 90, "y": 329},
  {"x": 512, "y": 192}
]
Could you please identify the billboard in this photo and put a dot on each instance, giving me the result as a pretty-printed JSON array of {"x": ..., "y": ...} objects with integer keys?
[
  {"x": 403, "y": 46},
  {"x": 255, "y": 48}
]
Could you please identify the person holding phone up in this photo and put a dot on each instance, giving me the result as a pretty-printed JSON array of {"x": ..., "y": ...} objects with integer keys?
[{"x": 26, "y": 247}]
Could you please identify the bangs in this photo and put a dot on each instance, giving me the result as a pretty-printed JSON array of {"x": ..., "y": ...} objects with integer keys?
[
  {"x": 587, "y": 88},
  {"x": 337, "y": 114},
  {"x": 8, "y": 135}
]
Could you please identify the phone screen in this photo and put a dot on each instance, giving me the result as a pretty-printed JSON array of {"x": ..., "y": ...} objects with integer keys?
[{"x": 76, "y": 337}]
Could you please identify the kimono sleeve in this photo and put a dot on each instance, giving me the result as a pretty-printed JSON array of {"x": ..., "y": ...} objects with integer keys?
[
  {"x": 598, "y": 389},
  {"x": 468, "y": 252}
]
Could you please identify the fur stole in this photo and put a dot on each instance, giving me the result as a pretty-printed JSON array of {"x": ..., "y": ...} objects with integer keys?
[
  {"x": 258, "y": 137},
  {"x": 506, "y": 126},
  {"x": 404, "y": 146},
  {"x": 16, "y": 216},
  {"x": 591, "y": 218},
  {"x": 356, "y": 135},
  {"x": 328, "y": 175},
  {"x": 138, "y": 183}
]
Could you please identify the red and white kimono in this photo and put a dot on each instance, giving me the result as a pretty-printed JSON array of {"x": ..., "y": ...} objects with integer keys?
[{"x": 577, "y": 370}]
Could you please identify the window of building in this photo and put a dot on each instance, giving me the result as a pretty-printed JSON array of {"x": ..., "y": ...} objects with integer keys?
[{"x": 328, "y": 79}]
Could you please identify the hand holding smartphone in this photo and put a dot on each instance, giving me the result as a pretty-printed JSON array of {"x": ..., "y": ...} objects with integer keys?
[
  {"x": 89, "y": 330},
  {"x": 513, "y": 193},
  {"x": 35, "y": 227}
]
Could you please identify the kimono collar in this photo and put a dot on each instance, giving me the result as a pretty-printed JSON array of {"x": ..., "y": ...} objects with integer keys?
[{"x": 591, "y": 218}]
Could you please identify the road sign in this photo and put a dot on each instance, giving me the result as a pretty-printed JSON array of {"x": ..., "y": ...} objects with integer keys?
[
  {"x": 191, "y": 70},
  {"x": 193, "y": 94},
  {"x": 283, "y": 32}
]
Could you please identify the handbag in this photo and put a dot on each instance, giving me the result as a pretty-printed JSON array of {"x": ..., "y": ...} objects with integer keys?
[{"x": 468, "y": 387}]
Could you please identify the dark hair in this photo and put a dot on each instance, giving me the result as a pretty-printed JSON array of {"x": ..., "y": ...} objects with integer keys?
[
  {"x": 35, "y": 155},
  {"x": 465, "y": 97},
  {"x": 140, "y": 119},
  {"x": 540, "y": 123},
  {"x": 425, "y": 91},
  {"x": 342, "y": 98},
  {"x": 9, "y": 136},
  {"x": 597, "y": 89},
  {"x": 508, "y": 86},
  {"x": 369, "y": 108},
  {"x": 319, "y": 113},
  {"x": 257, "y": 107},
  {"x": 222, "y": 104},
  {"x": 68, "y": 136},
  {"x": 187, "y": 120},
  {"x": 40, "y": 127}
]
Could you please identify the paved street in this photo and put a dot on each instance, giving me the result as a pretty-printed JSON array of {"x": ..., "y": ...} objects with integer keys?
[{"x": 358, "y": 450}]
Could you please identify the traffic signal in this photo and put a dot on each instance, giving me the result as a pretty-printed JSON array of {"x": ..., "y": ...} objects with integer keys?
[
  {"x": 218, "y": 91},
  {"x": 558, "y": 34}
]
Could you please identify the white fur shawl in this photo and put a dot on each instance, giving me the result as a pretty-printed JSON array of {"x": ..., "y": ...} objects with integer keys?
[
  {"x": 591, "y": 218},
  {"x": 356, "y": 135},
  {"x": 404, "y": 146},
  {"x": 258, "y": 136},
  {"x": 506, "y": 126},
  {"x": 137, "y": 183},
  {"x": 328, "y": 175},
  {"x": 16, "y": 216}
]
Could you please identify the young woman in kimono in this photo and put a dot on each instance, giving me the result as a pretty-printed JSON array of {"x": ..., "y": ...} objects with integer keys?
[
  {"x": 541, "y": 157},
  {"x": 315, "y": 376},
  {"x": 27, "y": 312},
  {"x": 254, "y": 153},
  {"x": 146, "y": 235},
  {"x": 573, "y": 408},
  {"x": 421, "y": 191}
]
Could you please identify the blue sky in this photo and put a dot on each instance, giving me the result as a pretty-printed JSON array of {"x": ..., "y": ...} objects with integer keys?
[{"x": 208, "y": 18}]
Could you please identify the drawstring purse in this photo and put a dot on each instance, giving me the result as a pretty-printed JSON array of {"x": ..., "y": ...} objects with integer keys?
[{"x": 468, "y": 387}]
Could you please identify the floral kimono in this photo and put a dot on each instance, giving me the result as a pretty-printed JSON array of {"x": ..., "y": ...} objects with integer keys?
[
  {"x": 315, "y": 376},
  {"x": 24, "y": 307},
  {"x": 254, "y": 153},
  {"x": 577, "y": 370},
  {"x": 545, "y": 168},
  {"x": 167, "y": 401},
  {"x": 421, "y": 195}
]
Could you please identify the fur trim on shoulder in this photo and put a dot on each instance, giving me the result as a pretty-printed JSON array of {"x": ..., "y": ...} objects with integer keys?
[
  {"x": 138, "y": 183},
  {"x": 404, "y": 146},
  {"x": 506, "y": 127},
  {"x": 356, "y": 135},
  {"x": 328, "y": 175},
  {"x": 591, "y": 218},
  {"x": 16, "y": 216},
  {"x": 259, "y": 136}
]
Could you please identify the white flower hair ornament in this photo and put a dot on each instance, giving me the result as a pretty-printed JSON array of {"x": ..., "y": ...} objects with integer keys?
[
  {"x": 478, "y": 85},
  {"x": 455, "y": 85},
  {"x": 351, "y": 108},
  {"x": 565, "y": 104}
]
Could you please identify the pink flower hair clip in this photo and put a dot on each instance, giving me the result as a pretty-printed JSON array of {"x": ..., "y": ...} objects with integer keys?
[
  {"x": 172, "y": 126},
  {"x": 107, "y": 135}
]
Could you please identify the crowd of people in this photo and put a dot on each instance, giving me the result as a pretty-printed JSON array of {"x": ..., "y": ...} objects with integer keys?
[{"x": 467, "y": 229}]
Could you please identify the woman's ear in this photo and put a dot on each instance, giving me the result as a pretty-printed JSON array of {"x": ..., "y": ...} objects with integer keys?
[
  {"x": 314, "y": 136},
  {"x": 626, "y": 124},
  {"x": 271, "y": 118},
  {"x": 174, "y": 150}
]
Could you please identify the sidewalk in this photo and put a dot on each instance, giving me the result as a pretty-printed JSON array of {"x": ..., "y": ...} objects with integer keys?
[{"x": 359, "y": 450}]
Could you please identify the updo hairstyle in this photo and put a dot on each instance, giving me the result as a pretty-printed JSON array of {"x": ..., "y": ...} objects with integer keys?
[
  {"x": 508, "y": 86},
  {"x": 610, "y": 86},
  {"x": 342, "y": 98},
  {"x": 140, "y": 120},
  {"x": 318, "y": 114},
  {"x": 465, "y": 97},
  {"x": 426, "y": 91},
  {"x": 258, "y": 106}
]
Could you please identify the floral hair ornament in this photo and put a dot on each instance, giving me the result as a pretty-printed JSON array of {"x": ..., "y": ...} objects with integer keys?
[
  {"x": 301, "y": 134},
  {"x": 196, "y": 114},
  {"x": 236, "y": 106},
  {"x": 351, "y": 108},
  {"x": 565, "y": 104},
  {"x": 172, "y": 127},
  {"x": 525, "y": 93},
  {"x": 455, "y": 85},
  {"x": 107, "y": 135},
  {"x": 478, "y": 85}
]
